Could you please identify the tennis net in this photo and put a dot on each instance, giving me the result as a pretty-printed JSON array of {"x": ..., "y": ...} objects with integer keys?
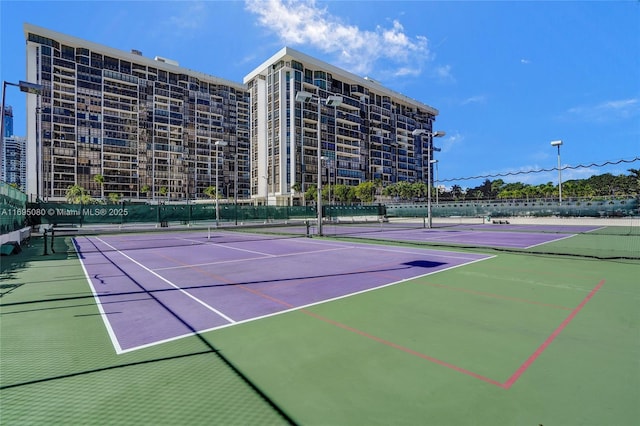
[
  {"x": 591, "y": 238},
  {"x": 73, "y": 240}
]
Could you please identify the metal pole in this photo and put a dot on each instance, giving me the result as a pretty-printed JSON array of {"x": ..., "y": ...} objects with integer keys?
[
  {"x": 559, "y": 177},
  {"x": 429, "y": 180},
  {"x": 319, "y": 204},
  {"x": 235, "y": 187},
  {"x": 217, "y": 195},
  {"x": 4, "y": 90},
  {"x": 437, "y": 188}
]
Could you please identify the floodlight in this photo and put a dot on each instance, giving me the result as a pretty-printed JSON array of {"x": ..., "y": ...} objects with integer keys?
[
  {"x": 334, "y": 101},
  {"x": 303, "y": 96}
]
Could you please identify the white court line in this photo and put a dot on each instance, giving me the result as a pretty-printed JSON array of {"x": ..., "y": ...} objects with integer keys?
[
  {"x": 270, "y": 256},
  {"x": 297, "y": 308},
  {"x": 336, "y": 247},
  {"x": 103, "y": 314},
  {"x": 431, "y": 253},
  {"x": 550, "y": 241},
  {"x": 227, "y": 246},
  {"x": 186, "y": 293}
]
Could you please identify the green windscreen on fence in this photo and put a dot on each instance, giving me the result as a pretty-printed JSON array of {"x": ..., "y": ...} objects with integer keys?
[
  {"x": 13, "y": 208},
  {"x": 513, "y": 208},
  {"x": 124, "y": 213}
]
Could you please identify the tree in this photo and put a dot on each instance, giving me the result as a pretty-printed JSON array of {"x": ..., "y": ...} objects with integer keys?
[
  {"x": 419, "y": 190},
  {"x": 496, "y": 187},
  {"x": 145, "y": 190},
  {"x": 296, "y": 188},
  {"x": 404, "y": 190},
  {"x": 99, "y": 179},
  {"x": 114, "y": 197},
  {"x": 456, "y": 191},
  {"x": 209, "y": 191},
  {"x": 311, "y": 193},
  {"x": 366, "y": 192},
  {"x": 78, "y": 195},
  {"x": 344, "y": 193},
  {"x": 164, "y": 191},
  {"x": 379, "y": 186}
]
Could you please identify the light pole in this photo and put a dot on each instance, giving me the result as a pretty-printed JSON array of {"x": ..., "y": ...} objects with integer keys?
[
  {"x": 26, "y": 87},
  {"x": 558, "y": 143},
  {"x": 332, "y": 101},
  {"x": 437, "y": 189},
  {"x": 218, "y": 143},
  {"x": 437, "y": 134}
]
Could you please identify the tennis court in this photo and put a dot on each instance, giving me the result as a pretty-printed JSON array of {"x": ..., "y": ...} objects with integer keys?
[
  {"x": 456, "y": 325},
  {"x": 218, "y": 280}
]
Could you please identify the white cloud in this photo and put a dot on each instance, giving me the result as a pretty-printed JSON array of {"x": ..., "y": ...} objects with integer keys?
[
  {"x": 606, "y": 111},
  {"x": 451, "y": 142},
  {"x": 191, "y": 17},
  {"x": 525, "y": 61},
  {"x": 305, "y": 23},
  {"x": 478, "y": 99},
  {"x": 444, "y": 73}
]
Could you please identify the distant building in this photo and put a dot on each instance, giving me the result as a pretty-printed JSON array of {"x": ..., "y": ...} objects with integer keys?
[
  {"x": 146, "y": 123},
  {"x": 366, "y": 138},
  {"x": 147, "y": 126},
  {"x": 8, "y": 121},
  {"x": 14, "y": 164}
]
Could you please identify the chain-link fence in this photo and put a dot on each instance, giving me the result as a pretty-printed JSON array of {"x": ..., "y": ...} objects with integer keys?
[
  {"x": 530, "y": 208},
  {"x": 13, "y": 208}
]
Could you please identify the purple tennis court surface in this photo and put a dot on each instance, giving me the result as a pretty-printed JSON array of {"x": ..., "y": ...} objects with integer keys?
[
  {"x": 194, "y": 283},
  {"x": 487, "y": 235}
]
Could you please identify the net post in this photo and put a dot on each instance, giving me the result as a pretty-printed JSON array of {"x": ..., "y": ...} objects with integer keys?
[{"x": 45, "y": 243}]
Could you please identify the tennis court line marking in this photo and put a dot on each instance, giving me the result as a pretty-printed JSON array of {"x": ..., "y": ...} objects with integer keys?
[
  {"x": 186, "y": 293},
  {"x": 301, "y": 308},
  {"x": 270, "y": 256},
  {"x": 103, "y": 314},
  {"x": 551, "y": 241},
  {"x": 227, "y": 246},
  {"x": 536, "y": 354},
  {"x": 430, "y": 253},
  {"x": 509, "y": 382},
  {"x": 334, "y": 247},
  {"x": 497, "y": 296},
  {"x": 402, "y": 348}
]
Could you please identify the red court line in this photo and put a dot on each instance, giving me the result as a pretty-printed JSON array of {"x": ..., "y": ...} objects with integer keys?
[
  {"x": 497, "y": 296},
  {"x": 506, "y": 385},
  {"x": 520, "y": 371},
  {"x": 402, "y": 348}
]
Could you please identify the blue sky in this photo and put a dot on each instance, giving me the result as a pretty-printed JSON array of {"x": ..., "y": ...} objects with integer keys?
[{"x": 507, "y": 77}]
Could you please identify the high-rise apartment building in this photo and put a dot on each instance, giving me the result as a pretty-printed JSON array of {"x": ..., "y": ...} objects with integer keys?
[
  {"x": 13, "y": 167},
  {"x": 368, "y": 137},
  {"x": 147, "y": 128},
  {"x": 14, "y": 164},
  {"x": 152, "y": 129},
  {"x": 7, "y": 116}
]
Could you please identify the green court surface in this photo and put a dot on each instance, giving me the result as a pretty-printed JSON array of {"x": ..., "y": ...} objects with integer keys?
[{"x": 517, "y": 339}]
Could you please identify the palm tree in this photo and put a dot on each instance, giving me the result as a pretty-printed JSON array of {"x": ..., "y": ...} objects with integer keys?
[
  {"x": 114, "y": 197},
  {"x": 164, "y": 191},
  {"x": 296, "y": 188},
  {"x": 145, "y": 190},
  {"x": 456, "y": 191},
  {"x": 99, "y": 179},
  {"x": 77, "y": 195}
]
